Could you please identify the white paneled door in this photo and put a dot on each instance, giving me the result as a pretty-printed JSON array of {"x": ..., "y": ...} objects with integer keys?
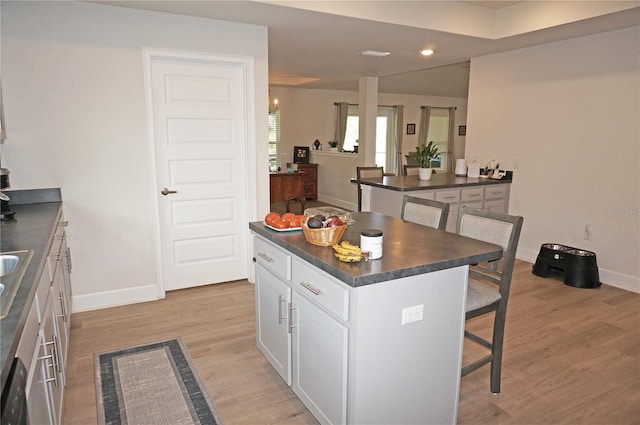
[{"x": 200, "y": 139}]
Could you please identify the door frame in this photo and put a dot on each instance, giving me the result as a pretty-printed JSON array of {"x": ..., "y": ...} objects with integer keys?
[{"x": 248, "y": 66}]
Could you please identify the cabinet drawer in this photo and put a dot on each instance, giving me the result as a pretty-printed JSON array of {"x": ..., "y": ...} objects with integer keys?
[
  {"x": 495, "y": 192},
  {"x": 475, "y": 194},
  {"x": 321, "y": 289},
  {"x": 273, "y": 258},
  {"x": 448, "y": 196}
]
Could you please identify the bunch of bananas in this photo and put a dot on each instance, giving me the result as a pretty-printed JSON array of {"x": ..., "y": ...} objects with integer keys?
[{"x": 347, "y": 252}]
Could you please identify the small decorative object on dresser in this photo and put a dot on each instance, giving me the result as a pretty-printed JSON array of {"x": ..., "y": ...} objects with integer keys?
[{"x": 300, "y": 154}]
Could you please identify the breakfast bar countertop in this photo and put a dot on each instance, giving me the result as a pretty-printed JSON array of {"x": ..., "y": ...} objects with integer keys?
[
  {"x": 438, "y": 181},
  {"x": 408, "y": 249}
]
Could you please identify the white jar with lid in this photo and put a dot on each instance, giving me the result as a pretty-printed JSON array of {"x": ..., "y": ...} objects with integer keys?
[{"x": 371, "y": 241}]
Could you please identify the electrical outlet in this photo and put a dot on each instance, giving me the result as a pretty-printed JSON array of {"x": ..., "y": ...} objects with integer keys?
[
  {"x": 516, "y": 164},
  {"x": 587, "y": 232},
  {"x": 412, "y": 314}
]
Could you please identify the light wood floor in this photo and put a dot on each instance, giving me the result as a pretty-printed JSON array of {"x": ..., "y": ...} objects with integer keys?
[{"x": 572, "y": 356}]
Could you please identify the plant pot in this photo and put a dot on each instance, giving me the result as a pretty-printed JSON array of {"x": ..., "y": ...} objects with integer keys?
[
  {"x": 333, "y": 149},
  {"x": 425, "y": 173}
]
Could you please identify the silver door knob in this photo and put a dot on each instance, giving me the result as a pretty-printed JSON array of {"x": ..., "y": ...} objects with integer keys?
[{"x": 166, "y": 191}]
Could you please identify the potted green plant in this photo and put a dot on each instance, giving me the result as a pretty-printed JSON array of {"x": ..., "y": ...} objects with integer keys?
[
  {"x": 422, "y": 156},
  {"x": 333, "y": 145}
]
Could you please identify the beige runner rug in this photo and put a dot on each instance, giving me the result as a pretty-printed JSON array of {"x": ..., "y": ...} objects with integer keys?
[{"x": 151, "y": 384}]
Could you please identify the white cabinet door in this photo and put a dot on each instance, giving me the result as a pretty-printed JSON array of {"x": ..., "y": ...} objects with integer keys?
[
  {"x": 273, "y": 298},
  {"x": 498, "y": 205},
  {"x": 39, "y": 400},
  {"x": 320, "y": 356},
  {"x": 52, "y": 362},
  {"x": 60, "y": 317}
]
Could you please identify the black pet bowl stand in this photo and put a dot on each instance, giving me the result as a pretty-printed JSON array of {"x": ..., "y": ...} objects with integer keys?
[{"x": 579, "y": 266}]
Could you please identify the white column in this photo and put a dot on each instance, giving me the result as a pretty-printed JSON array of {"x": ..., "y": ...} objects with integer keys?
[{"x": 368, "y": 106}]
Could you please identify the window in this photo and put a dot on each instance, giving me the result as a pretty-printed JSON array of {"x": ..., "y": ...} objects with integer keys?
[
  {"x": 384, "y": 140},
  {"x": 274, "y": 140},
  {"x": 439, "y": 134}
]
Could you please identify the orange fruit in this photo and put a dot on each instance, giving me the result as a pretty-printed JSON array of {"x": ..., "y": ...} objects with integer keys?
[
  {"x": 271, "y": 218},
  {"x": 295, "y": 221},
  {"x": 281, "y": 224}
]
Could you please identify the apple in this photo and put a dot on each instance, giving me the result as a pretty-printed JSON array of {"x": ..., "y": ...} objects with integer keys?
[{"x": 333, "y": 221}]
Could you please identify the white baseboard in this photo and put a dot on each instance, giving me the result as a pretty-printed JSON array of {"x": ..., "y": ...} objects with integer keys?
[
  {"x": 114, "y": 298},
  {"x": 350, "y": 206},
  {"x": 607, "y": 277}
]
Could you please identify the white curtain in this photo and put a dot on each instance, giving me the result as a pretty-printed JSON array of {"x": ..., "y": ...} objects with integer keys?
[
  {"x": 423, "y": 131},
  {"x": 398, "y": 139},
  {"x": 341, "y": 123}
]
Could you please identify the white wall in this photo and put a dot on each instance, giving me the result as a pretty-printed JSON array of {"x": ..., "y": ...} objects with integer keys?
[
  {"x": 310, "y": 114},
  {"x": 73, "y": 82},
  {"x": 567, "y": 112}
]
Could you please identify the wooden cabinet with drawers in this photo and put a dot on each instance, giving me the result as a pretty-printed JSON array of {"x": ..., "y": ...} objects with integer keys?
[{"x": 310, "y": 180}]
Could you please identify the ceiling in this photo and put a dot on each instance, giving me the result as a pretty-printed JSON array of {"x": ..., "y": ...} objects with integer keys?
[{"x": 316, "y": 44}]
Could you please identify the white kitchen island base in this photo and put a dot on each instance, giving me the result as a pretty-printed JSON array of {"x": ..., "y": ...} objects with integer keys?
[
  {"x": 409, "y": 373},
  {"x": 375, "y": 342}
]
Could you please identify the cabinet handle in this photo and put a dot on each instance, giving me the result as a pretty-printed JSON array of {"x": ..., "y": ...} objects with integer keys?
[
  {"x": 265, "y": 257},
  {"x": 291, "y": 325},
  {"x": 311, "y": 288},
  {"x": 474, "y": 195},
  {"x": 61, "y": 299},
  {"x": 280, "y": 317},
  {"x": 54, "y": 361},
  {"x": 56, "y": 347},
  {"x": 69, "y": 266},
  {"x": 64, "y": 223}
]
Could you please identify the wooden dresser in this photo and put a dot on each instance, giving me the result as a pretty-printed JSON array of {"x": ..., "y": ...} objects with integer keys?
[
  {"x": 310, "y": 180},
  {"x": 286, "y": 187}
]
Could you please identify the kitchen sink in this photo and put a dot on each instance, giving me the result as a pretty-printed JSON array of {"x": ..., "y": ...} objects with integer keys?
[{"x": 12, "y": 267}]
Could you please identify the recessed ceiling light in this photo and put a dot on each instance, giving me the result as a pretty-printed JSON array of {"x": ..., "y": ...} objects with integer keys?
[
  {"x": 426, "y": 52},
  {"x": 375, "y": 53}
]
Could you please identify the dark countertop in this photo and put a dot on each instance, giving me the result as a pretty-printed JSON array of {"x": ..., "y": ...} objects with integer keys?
[
  {"x": 408, "y": 249},
  {"x": 438, "y": 181},
  {"x": 32, "y": 228}
]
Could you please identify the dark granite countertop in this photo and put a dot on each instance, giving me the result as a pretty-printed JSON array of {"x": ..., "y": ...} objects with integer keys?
[
  {"x": 438, "y": 181},
  {"x": 32, "y": 228},
  {"x": 408, "y": 249}
]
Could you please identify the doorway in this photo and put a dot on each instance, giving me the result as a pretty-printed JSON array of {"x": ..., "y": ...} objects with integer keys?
[{"x": 198, "y": 115}]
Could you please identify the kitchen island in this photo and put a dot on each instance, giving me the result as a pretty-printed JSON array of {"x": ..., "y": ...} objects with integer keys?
[
  {"x": 375, "y": 342},
  {"x": 384, "y": 194}
]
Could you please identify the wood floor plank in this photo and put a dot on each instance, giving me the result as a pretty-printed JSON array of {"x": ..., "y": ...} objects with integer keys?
[{"x": 572, "y": 356}]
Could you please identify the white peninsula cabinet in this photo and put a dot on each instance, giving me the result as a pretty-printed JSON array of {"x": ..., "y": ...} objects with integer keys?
[
  {"x": 385, "y": 194},
  {"x": 372, "y": 342}
]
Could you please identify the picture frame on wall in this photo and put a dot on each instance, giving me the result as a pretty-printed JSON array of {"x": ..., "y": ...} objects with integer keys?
[
  {"x": 462, "y": 130},
  {"x": 411, "y": 129},
  {"x": 300, "y": 154}
]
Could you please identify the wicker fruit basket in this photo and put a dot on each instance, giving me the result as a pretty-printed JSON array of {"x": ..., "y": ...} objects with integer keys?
[{"x": 326, "y": 236}]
